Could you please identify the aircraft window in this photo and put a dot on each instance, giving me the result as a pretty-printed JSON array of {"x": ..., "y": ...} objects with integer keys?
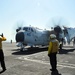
[
  {"x": 32, "y": 30},
  {"x": 25, "y": 28},
  {"x": 29, "y": 28}
]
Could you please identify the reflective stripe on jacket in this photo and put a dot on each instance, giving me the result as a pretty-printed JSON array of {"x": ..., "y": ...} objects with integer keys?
[{"x": 53, "y": 46}]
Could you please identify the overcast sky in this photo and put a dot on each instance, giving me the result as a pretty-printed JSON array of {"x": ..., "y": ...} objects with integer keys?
[{"x": 38, "y": 13}]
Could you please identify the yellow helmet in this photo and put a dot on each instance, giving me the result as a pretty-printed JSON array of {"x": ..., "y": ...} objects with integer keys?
[{"x": 52, "y": 36}]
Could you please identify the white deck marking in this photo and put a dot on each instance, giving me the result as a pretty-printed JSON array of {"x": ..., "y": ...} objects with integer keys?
[{"x": 68, "y": 65}]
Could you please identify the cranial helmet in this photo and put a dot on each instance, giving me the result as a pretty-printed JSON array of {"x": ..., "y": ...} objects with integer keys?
[{"x": 52, "y": 36}]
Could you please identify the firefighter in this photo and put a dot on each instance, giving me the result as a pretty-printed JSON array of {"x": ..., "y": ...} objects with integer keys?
[
  {"x": 52, "y": 51},
  {"x": 2, "y": 38}
]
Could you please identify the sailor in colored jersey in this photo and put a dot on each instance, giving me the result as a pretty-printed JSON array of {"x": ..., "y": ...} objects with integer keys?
[
  {"x": 2, "y": 38},
  {"x": 52, "y": 51}
]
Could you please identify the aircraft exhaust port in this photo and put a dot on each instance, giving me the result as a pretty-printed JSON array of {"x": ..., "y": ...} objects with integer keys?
[{"x": 19, "y": 37}]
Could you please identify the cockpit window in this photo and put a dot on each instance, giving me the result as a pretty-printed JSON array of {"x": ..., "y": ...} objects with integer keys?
[
  {"x": 32, "y": 30},
  {"x": 25, "y": 28},
  {"x": 28, "y": 29}
]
